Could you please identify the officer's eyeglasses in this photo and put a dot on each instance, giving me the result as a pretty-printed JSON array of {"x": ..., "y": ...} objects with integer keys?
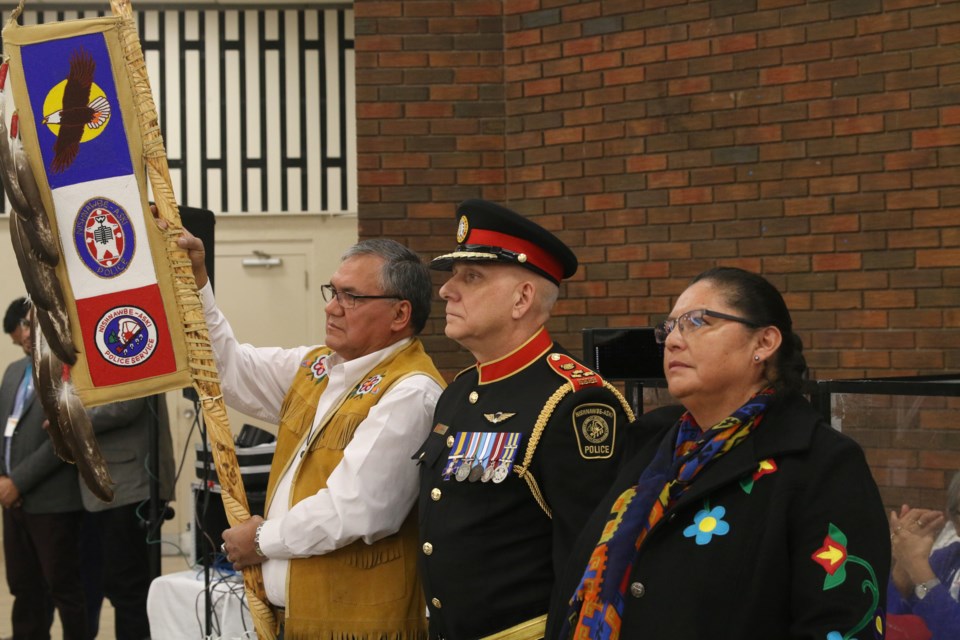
[
  {"x": 348, "y": 300},
  {"x": 693, "y": 320}
]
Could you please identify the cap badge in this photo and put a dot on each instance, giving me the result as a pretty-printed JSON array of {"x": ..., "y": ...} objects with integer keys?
[{"x": 463, "y": 228}]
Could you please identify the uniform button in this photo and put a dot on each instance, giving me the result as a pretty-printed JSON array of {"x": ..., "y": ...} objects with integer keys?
[
  {"x": 449, "y": 442},
  {"x": 435, "y": 494},
  {"x": 436, "y": 603},
  {"x": 474, "y": 396},
  {"x": 637, "y": 589},
  {"x": 427, "y": 548}
]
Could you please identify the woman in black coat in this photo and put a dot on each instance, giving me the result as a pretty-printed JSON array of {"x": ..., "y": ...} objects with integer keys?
[{"x": 750, "y": 517}]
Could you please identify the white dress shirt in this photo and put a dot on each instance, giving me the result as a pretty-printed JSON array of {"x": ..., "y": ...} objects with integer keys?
[{"x": 371, "y": 491}]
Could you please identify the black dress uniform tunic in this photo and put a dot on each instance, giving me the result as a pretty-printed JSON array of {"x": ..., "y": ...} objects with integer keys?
[{"x": 489, "y": 550}]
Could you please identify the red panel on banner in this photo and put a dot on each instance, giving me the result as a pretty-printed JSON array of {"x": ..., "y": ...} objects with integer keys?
[{"x": 125, "y": 336}]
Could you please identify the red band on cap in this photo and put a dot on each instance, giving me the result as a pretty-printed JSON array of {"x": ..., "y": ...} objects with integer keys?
[{"x": 535, "y": 255}]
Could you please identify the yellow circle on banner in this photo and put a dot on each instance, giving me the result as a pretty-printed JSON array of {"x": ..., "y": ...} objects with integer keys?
[{"x": 54, "y": 103}]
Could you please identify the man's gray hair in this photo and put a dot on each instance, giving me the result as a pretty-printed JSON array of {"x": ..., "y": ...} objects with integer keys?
[{"x": 403, "y": 275}]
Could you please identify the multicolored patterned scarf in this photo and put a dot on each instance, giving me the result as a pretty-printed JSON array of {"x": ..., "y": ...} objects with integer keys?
[{"x": 597, "y": 605}]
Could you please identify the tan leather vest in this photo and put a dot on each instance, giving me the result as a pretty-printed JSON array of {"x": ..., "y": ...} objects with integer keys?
[{"x": 359, "y": 591}]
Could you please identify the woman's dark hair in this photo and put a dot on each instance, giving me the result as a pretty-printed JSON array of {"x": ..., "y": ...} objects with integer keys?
[{"x": 759, "y": 301}]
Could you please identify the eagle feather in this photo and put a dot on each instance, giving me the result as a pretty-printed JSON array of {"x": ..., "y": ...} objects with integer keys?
[
  {"x": 78, "y": 434},
  {"x": 47, "y": 376}
]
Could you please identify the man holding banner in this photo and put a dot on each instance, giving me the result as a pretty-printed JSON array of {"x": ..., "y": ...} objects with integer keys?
[{"x": 339, "y": 542}]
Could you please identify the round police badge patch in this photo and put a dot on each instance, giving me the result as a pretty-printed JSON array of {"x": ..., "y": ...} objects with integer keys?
[
  {"x": 104, "y": 238},
  {"x": 126, "y": 336}
]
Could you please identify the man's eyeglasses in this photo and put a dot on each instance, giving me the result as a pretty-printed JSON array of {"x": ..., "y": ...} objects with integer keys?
[
  {"x": 348, "y": 300},
  {"x": 693, "y": 320}
]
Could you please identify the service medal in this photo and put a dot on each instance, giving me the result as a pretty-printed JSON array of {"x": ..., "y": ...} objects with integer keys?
[
  {"x": 487, "y": 474},
  {"x": 463, "y": 472},
  {"x": 475, "y": 473},
  {"x": 501, "y": 473}
]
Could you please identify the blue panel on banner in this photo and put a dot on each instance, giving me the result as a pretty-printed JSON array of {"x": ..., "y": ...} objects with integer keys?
[{"x": 76, "y": 109}]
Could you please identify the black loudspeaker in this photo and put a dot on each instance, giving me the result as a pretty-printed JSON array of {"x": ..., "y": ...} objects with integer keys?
[
  {"x": 200, "y": 222},
  {"x": 211, "y": 520}
]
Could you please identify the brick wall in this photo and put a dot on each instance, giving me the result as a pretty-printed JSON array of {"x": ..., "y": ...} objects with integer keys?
[{"x": 817, "y": 143}]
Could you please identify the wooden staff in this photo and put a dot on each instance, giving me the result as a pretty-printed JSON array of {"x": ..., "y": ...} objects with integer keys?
[{"x": 203, "y": 369}]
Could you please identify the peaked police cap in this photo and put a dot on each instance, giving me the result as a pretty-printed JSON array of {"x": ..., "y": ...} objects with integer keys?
[{"x": 487, "y": 232}]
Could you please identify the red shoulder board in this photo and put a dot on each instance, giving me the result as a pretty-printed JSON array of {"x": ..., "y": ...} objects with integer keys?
[{"x": 573, "y": 372}]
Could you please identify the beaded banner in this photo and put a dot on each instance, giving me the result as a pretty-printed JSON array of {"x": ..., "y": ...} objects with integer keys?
[
  {"x": 113, "y": 294},
  {"x": 77, "y": 127}
]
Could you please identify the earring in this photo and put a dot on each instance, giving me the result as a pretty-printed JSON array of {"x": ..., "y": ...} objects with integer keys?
[{"x": 756, "y": 358}]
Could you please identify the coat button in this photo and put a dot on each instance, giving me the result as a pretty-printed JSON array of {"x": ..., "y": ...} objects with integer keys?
[
  {"x": 436, "y": 603},
  {"x": 474, "y": 396},
  {"x": 435, "y": 494},
  {"x": 449, "y": 442},
  {"x": 427, "y": 548},
  {"x": 637, "y": 589}
]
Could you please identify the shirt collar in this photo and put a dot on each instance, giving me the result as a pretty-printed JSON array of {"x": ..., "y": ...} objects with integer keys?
[
  {"x": 520, "y": 358},
  {"x": 359, "y": 366}
]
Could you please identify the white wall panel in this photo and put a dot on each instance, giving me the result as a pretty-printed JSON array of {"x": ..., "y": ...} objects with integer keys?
[{"x": 257, "y": 107}]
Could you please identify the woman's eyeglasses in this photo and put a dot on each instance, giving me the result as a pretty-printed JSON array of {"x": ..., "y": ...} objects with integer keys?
[
  {"x": 348, "y": 300},
  {"x": 693, "y": 320}
]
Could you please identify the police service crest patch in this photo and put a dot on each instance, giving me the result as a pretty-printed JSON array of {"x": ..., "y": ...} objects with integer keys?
[
  {"x": 103, "y": 236},
  {"x": 126, "y": 336},
  {"x": 595, "y": 426}
]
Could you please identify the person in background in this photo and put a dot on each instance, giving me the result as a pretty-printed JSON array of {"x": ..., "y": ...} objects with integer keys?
[
  {"x": 524, "y": 443},
  {"x": 750, "y": 518},
  {"x": 116, "y": 545},
  {"x": 338, "y": 545},
  {"x": 925, "y": 585},
  {"x": 42, "y": 511}
]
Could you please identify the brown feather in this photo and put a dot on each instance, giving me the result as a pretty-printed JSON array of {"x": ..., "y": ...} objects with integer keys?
[
  {"x": 41, "y": 282},
  {"x": 38, "y": 277},
  {"x": 42, "y": 238},
  {"x": 47, "y": 376},
  {"x": 56, "y": 329},
  {"x": 37, "y": 228},
  {"x": 78, "y": 433}
]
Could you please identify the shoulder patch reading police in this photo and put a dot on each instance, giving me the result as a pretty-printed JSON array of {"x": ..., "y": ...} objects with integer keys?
[{"x": 595, "y": 426}]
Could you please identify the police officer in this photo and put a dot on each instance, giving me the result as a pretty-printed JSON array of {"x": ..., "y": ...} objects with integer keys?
[{"x": 525, "y": 442}]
